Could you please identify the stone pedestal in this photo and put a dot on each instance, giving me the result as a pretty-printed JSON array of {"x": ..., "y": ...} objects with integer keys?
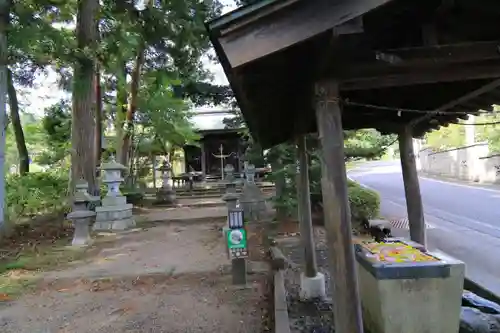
[
  {"x": 114, "y": 213},
  {"x": 409, "y": 296},
  {"x": 81, "y": 220},
  {"x": 251, "y": 199},
  {"x": 165, "y": 194}
]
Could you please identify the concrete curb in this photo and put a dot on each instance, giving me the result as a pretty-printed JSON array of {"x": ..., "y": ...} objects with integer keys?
[
  {"x": 281, "y": 320},
  {"x": 278, "y": 264}
]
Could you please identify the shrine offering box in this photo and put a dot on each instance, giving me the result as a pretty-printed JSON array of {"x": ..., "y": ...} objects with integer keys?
[{"x": 405, "y": 289}]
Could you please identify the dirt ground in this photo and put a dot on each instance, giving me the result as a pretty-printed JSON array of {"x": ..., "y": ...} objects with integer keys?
[{"x": 168, "y": 278}]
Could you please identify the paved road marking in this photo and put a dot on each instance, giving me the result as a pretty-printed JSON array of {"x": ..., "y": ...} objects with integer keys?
[
  {"x": 460, "y": 185},
  {"x": 473, "y": 225},
  {"x": 404, "y": 223},
  {"x": 360, "y": 168}
]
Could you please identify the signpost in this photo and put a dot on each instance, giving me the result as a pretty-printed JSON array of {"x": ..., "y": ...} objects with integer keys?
[{"x": 236, "y": 240}]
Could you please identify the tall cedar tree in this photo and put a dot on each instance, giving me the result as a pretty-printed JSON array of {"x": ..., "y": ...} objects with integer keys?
[{"x": 83, "y": 157}]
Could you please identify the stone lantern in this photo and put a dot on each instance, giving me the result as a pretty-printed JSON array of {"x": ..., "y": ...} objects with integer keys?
[
  {"x": 81, "y": 216},
  {"x": 165, "y": 194},
  {"x": 252, "y": 200},
  {"x": 112, "y": 177},
  {"x": 229, "y": 172},
  {"x": 230, "y": 197},
  {"x": 250, "y": 173},
  {"x": 82, "y": 197},
  {"x": 115, "y": 213}
]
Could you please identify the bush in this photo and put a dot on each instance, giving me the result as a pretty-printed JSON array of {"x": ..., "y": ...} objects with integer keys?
[
  {"x": 365, "y": 203},
  {"x": 35, "y": 193}
]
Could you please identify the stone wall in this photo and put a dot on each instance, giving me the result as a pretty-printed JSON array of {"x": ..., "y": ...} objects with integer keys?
[{"x": 471, "y": 163}]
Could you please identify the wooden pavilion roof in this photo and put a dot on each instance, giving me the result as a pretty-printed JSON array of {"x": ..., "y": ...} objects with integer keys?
[
  {"x": 438, "y": 55},
  {"x": 219, "y": 131}
]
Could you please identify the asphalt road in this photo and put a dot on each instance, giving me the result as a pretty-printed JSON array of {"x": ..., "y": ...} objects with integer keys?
[{"x": 463, "y": 220}]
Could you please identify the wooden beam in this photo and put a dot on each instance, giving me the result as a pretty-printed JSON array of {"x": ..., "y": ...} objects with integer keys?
[
  {"x": 290, "y": 26},
  {"x": 463, "y": 52},
  {"x": 394, "y": 60},
  {"x": 420, "y": 76},
  {"x": 412, "y": 188},
  {"x": 337, "y": 214},
  {"x": 354, "y": 26},
  {"x": 452, "y": 104}
]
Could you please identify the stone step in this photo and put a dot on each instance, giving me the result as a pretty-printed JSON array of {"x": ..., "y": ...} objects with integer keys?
[
  {"x": 209, "y": 192},
  {"x": 187, "y": 196},
  {"x": 212, "y": 189}
]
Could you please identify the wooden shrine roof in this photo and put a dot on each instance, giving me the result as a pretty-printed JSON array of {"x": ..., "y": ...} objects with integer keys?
[
  {"x": 219, "y": 131},
  {"x": 396, "y": 54}
]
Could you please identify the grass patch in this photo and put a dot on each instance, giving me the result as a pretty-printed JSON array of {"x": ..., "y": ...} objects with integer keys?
[
  {"x": 14, "y": 283},
  {"x": 29, "y": 248},
  {"x": 17, "y": 275}
]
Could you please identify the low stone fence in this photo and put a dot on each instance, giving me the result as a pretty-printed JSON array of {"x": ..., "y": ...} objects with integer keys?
[{"x": 471, "y": 163}]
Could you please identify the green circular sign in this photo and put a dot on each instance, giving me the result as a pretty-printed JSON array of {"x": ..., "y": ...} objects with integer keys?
[{"x": 236, "y": 237}]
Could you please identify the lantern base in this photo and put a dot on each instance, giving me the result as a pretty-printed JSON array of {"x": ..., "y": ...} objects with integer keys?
[
  {"x": 165, "y": 196},
  {"x": 114, "y": 225},
  {"x": 114, "y": 217}
]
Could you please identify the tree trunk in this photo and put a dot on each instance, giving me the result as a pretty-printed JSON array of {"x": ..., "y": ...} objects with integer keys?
[
  {"x": 4, "y": 22},
  {"x": 83, "y": 120},
  {"x": 132, "y": 105},
  {"x": 98, "y": 109},
  {"x": 121, "y": 110},
  {"x": 24, "y": 158},
  {"x": 98, "y": 116}
]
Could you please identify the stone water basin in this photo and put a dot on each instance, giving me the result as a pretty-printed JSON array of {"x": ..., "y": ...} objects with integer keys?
[{"x": 404, "y": 288}]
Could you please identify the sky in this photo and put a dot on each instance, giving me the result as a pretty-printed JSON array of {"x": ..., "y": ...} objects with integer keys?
[{"x": 45, "y": 91}]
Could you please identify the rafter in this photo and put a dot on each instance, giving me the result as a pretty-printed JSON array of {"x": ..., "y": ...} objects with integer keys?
[
  {"x": 452, "y": 104},
  {"x": 419, "y": 76}
]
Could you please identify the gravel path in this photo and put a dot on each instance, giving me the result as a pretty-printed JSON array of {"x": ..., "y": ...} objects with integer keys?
[
  {"x": 166, "y": 279},
  {"x": 315, "y": 316}
]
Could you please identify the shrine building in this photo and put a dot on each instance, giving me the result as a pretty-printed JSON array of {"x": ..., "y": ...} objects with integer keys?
[{"x": 217, "y": 147}]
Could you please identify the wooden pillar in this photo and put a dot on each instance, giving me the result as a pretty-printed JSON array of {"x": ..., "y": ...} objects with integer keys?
[
  {"x": 203, "y": 159},
  {"x": 412, "y": 187},
  {"x": 154, "y": 171},
  {"x": 337, "y": 215},
  {"x": 304, "y": 200}
]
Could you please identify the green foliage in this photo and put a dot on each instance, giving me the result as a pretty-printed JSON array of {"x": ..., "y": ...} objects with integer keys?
[
  {"x": 35, "y": 139},
  {"x": 453, "y": 135},
  {"x": 35, "y": 193},
  {"x": 489, "y": 133},
  {"x": 446, "y": 137},
  {"x": 164, "y": 115},
  {"x": 366, "y": 143},
  {"x": 57, "y": 126},
  {"x": 365, "y": 203}
]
